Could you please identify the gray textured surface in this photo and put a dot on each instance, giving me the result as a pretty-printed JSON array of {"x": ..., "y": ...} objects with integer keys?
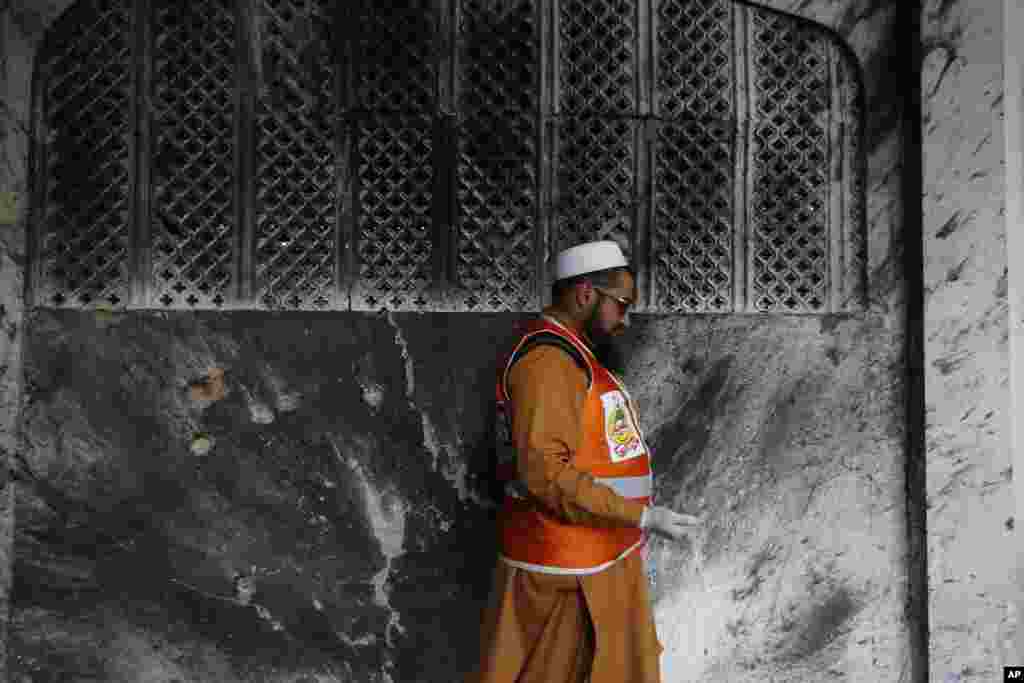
[
  {"x": 342, "y": 479},
  {"x": 971, "y": 536},
  {"x": 790, "y": 431},
  {"x": 20, "y": 25},
  {"x": 337, "y": 481}
]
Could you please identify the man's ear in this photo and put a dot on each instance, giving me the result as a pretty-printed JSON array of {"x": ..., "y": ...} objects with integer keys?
[{"x": 584, "y": 290}]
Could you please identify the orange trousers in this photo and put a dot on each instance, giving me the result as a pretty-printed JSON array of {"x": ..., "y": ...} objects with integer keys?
[{"x": 544, "y": 628}]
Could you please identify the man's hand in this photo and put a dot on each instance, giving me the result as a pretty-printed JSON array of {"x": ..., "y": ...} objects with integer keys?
[{"x": 672, "y": 524}]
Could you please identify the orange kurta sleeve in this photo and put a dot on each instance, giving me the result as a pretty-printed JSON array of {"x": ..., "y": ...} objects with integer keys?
[{"x": 547, "y": 390}]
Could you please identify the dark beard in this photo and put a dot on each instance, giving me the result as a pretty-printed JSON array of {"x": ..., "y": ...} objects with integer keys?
[{"x": 605, "y": 347}]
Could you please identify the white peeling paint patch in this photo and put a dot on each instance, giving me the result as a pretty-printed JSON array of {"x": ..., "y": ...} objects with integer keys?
[
  {"x": 387, "y": 518},
  {"x": 368, "y": 639},
  {"x": 393, "y": 625},
  {"x": 430, "y": 439},
  {"x": 457, "y": 473},
  {"x": 289, "y": 402},
  {"x": 386, "y": 515},
  {"x": 456, "y": 470},
  {"x": 410, "y": 378},
  {"x": 202, "y": 444},
  {"x": 306, "y": 677},
  {"x": 260, "y": 413},
  {"x": 245, "y": 588},
  {"x": 266, "y": 616},
  {"x": 286, "y": 401},
  {"x": 373, "y": 394},
  {"x": 430, "y": 511}
]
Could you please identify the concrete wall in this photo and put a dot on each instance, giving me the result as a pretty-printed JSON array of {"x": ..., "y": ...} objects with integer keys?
[
  {"x": 790, "y": 431},
  {"x": 334, "y": 464},
  {"x": 971, "y": 544},
  {"x": 329, "y": 463},
  {"x": 20, "y": 27}
]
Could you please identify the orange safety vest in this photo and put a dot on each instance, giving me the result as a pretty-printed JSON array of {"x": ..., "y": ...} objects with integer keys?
[{"x": 611, "y": 449}]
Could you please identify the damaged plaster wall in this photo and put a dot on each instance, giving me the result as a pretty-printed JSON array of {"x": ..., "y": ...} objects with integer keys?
[
  {"x": 254, "y": 497},
  {"x": 970, "y": 498},
  {"x": 789, "y": 432},
  {"x": 264, "y": 497}
]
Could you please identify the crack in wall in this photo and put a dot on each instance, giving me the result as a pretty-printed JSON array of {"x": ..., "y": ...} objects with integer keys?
[
  {"x": 430, "y": 439},
  {"x": 455, "y": 471},
  {"x": 244, "y": 589}
]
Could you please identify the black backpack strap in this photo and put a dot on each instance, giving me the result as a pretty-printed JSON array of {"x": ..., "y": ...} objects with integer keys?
[{"x": 552, "y": 339}]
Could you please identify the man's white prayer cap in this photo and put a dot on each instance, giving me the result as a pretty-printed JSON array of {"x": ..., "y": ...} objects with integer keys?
[{"x": 589, "y": 258}]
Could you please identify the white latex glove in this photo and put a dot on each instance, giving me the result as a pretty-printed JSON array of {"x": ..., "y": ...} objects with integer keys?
[{"x": 674, "y": 525}]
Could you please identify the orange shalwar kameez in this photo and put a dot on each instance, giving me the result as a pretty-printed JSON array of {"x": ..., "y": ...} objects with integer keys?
[{"x": 549, "y": 628}]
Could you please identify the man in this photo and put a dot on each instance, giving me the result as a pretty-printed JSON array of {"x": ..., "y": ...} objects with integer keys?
[{"x": 570, "y": 600}]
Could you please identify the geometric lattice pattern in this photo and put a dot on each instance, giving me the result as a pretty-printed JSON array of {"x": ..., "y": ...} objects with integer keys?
[
  {"x": 84, "y": 240},
  {"x": 296, "y": 184},
  {"x": 596, "y": 181},
  {"x": 395, "y": 240},
  {"x": 693, "y": 217},
  {"x": 498, "y": 97},
  {"x": 194, "y": 214},
  {"x": 695, "y": 59},
  {"x": 396, "y": 67},
  {"x": 428, "y": 154},
  {"x": 597, "y": 55},
  {"x": 789, "y": 251}
]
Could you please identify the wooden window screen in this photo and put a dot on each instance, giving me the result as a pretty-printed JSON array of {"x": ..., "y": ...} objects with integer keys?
[{"x": 434, "y": 155}]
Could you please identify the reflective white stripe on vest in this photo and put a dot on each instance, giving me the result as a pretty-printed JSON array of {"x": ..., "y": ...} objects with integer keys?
[
  {"x": 545, "y": 569},
  {"x": 628, "y": 487}
]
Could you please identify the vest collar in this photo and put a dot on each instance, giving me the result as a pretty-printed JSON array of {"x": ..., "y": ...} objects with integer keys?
[{"x": 551, "y": 314}]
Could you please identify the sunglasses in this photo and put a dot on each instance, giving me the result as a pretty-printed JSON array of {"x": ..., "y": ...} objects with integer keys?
[{"x": 623, "y": 302}]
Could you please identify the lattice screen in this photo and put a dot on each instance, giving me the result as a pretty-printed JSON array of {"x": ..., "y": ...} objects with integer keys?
[
  {"x": 497, "y": 100},
  {"x": 433, "y": 155},
  {"x": 297, "y": 159},
  {"x": 194, "y": 212},
  {"x": 695, "y": 171},
  {"x": 790, "y": 149},
  {"x": 82, "y": 226}
]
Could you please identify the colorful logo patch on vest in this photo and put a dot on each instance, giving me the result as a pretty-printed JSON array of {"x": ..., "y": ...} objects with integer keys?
[{"x": 620, "y": 432}]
